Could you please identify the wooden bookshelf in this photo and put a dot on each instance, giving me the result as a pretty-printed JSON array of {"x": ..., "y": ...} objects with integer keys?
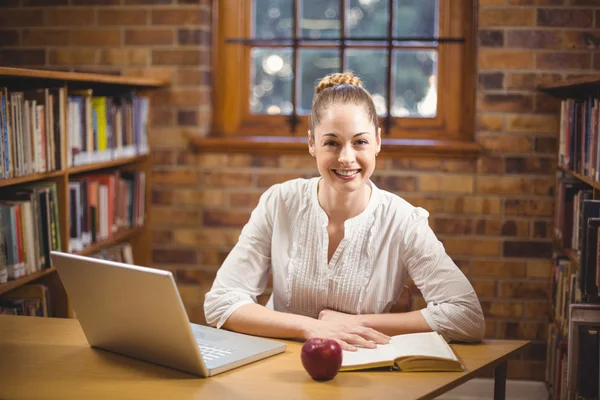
[
  {"x": 17, "y": 79},
  {"x": 119, "y": 237},
  {"x": 10, "y": 285},
  {"x": 580, "y": 154}
]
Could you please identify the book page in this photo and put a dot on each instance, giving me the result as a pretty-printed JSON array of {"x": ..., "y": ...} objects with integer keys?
[
  {"x": 421, "y": 344},
  {"x": 383, "y": 354}
]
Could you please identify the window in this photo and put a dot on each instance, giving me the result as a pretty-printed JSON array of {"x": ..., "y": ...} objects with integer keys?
[{"x": 269, "y": 54}]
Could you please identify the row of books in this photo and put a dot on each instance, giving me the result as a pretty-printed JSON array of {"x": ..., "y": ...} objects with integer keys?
[
  {"x": 29, "y": 229},
  {"x": 31, "y": 300},
  {"x": 101, "y": 205},
  {"x": 103, "y": 128},
  {"x": 573, "y": 357},
  {"x": 34, "y": 299},
  {"x": 578, "y": 146},
  {"x": 577, "y": 227},
  {"x": 37, "y": 126},
  {"x": 31, "y": 127}
]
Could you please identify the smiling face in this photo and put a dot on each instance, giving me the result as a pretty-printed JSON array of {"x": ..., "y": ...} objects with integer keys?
[{"x": 345, "y": 144}]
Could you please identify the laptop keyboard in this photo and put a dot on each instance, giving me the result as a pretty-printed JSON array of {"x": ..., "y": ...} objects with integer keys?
[{"x": 210, "y": 352}]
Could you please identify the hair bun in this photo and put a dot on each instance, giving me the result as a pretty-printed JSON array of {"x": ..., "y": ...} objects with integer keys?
[{"x": 337, "y": 79}]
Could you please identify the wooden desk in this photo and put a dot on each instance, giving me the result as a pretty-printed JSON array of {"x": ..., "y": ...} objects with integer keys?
[{"x": 50, "y": 358}]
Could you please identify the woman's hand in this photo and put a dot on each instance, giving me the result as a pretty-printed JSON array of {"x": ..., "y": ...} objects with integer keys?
[{"x": 344, "y": 329}]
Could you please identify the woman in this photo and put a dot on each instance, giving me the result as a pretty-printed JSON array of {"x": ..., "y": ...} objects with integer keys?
[{"x": 339, "y": 248}]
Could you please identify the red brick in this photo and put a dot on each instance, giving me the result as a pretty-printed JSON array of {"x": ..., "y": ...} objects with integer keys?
[
  {"x": 20, "y": 17},
  {"x": 67, "y": 17},
  {"x": 582, "y": 40},
  {"x": 524, "y": 290},
  {"x": 497, "y": 227},
  {"x": 534, "y": 39},
  {"x": 395, "y": 183},
  {"x": 148, "y": 37},
  {"x": 545, "y": 145},
  {"x": 176, "y": 216},
  {"x": 529, "y": 165},
  {"x": 180, "y": 16},
  {"x": 214, "y": 257},
  {"x": 174, "y": 256},
  {"x": 234, "y": 219},
  {"x": 504, "y": 186},
  {"x": 564, "y": 60},
  {"x": 506, "y": 16},
  {"x": 452, "y": 226},
  {"x": 565, "y": 17},
  {"x": 244, "y": 199},
  {"x": 9, "y": 38},
  {"x": 532, "y": 123},
  {"x": 122, "y": 17},
  {"x": 46, "y": 37},
  {"x": 96, "y": 37},
  {"x": 529, "y": 208},
  {"x": 186, "y": 37},
  {"x": 460, "y": 245},
  {"x": 502, "y": 309},
  {"x": 163, "y": 117},
  {"x": 22, "y": 58},
  {"x": 175, "y": 177},
  {"x": 484, "y": 288},
  {"x": 176, "y": 57},
  {"x": 473, "y": 205},
  {"x": 492, "y": 80},
  {"x": 504, "y": 59},
  {"x": 489, "y": 122},
  {"x": 265, "y": 180},
  {"x": 498, "y": 269},
  {"x": 226, "y": 179},
  {"x": 523, "y": 330},
  {"x": 516, "y": 103},
  {"x": 506, "y": 143},
  {"x": 539, "y": 310},
  {"x": 76, "y": 57},
  {"x": 489, "y": 165},
  {"x": 527, "y": 249},
  {"x": 491, "y": 38}
]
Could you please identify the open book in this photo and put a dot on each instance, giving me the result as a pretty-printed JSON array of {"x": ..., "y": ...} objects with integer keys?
[{"x": 426, "y": 351}]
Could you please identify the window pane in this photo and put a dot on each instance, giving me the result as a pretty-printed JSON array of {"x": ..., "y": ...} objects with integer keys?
[
  {"x": 271, "y": 81},
  {"x": 367, "y": 18},
  {"x": 320, "y": 19},
  {"x": 415, "y": 88},
  {"x": 272, "y": 19},
  {"x": 314, "y": 65},
  {"x": 371, "y": 66},
  {"x": 416, "y": 18}
]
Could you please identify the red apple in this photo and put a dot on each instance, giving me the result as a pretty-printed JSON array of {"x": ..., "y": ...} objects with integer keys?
[{"x": 321, "y": 358}]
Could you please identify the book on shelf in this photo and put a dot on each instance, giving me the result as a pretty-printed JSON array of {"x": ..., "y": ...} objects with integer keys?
[
  {"x": 578, "y": 145},
  {"x": 121, "y": 253},
  {"x": 30, "y": 300},
  {"x": 103, "y": 128},
  {"x": 29, "y": 227},
  {"x": 583, "y": 352},
  {"x": 32, "y": 125},
  {"x": 103, "y": 204},
  {"x": 426, "y": 351}
]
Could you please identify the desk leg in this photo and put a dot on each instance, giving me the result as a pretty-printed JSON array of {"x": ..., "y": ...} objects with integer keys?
[{"x": 500, "y": 382}]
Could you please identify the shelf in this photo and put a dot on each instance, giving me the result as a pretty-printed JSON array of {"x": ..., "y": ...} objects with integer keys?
[
  {"x": 583, "y": 178},
  {"x": 81, "y": 77},
  {"x": 574, "y": 88},
  {"x": 106, "y": 164},
  {"x": 30, "y": 178},
  {"x": 10, "y": 285},
  {"x": 118, "y": 237}
]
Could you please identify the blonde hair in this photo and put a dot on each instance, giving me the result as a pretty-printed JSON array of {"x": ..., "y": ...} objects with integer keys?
[{"x": 340, "y": 88}]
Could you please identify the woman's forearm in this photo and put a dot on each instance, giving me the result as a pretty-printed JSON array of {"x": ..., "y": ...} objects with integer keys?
[
  {"x": 258, "y": 320},
  {"x": 395, "y": 323}
]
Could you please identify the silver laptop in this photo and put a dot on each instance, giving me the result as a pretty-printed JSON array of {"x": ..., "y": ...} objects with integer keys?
[{"x": 137, "y": 311}]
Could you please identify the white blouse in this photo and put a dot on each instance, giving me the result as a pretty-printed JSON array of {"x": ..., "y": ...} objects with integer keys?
[{"x": 384, "y": 245}]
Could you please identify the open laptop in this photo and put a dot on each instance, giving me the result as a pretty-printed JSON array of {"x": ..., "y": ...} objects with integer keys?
[{"x": 137, "y": 311}]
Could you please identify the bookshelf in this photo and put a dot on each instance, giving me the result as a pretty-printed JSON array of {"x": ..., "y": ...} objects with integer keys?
[
  {"x": 125, "y": 155},
  {"x": 575, "y": 297}
]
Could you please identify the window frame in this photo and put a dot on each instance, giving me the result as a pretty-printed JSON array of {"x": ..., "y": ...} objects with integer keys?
[{"x": 453, "y": 123}]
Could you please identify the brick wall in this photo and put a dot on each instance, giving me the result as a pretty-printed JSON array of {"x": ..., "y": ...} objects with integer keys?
[{"x": 493, "y": 214}]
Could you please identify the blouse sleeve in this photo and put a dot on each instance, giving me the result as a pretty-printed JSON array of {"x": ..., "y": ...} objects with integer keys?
[
  {"x": 244, "y": 273},
  {"x": 453, "y": 309}
]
